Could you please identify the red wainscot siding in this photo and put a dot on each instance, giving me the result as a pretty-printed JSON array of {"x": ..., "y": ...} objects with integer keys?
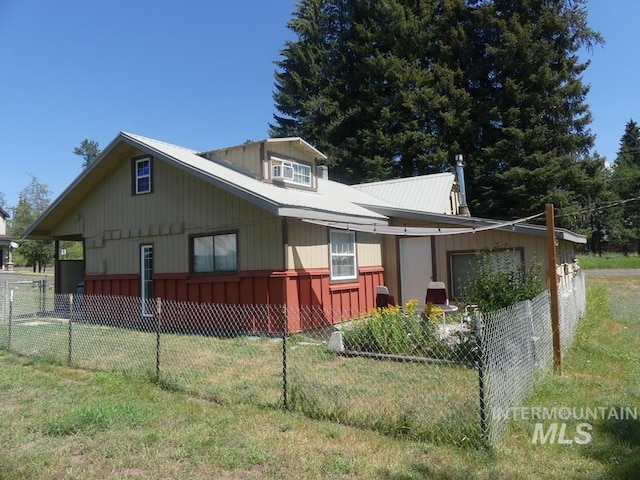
[
  {"x": 311, "y": 300},
  {"x": 127, "y": 285}
]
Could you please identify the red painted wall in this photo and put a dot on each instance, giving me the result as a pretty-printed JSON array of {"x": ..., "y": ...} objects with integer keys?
[{"x": 311, "y": 300}]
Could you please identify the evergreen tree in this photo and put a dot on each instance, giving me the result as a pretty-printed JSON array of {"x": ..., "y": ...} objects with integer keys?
[
  {"x": 356, "y": 85},
  {"x": 397, "y": 88},
  {"x": 531, "y": 105},
  {"x": 89, "y": 150},
  {"x": 625, "y": 182}
]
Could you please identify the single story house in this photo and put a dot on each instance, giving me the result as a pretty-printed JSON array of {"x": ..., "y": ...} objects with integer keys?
[{"x": 261, "y": 223}]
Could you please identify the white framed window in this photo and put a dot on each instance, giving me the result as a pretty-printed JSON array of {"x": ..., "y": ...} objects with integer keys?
[
  {"x": 214, "y": 253},
  {"x": 343, "y": 255},
  {"x": 290, "y": 172},
  {"x": 142, "y": 175}
]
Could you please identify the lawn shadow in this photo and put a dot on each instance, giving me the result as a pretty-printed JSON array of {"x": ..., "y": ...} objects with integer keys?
[{"x": 616, "y": 442}]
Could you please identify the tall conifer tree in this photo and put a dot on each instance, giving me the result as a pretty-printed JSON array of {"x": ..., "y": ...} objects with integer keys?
[
  {"x": 625, "y": 182},
  {"x": 397, "y": 88}
]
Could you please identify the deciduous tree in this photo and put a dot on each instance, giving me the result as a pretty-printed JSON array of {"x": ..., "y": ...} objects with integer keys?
[{"x": 33, "y": 200}]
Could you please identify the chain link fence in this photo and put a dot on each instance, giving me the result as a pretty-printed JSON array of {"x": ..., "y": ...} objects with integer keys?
[
  {"x": 402, "y": 371},
  {"x": 517, "y": 350}
]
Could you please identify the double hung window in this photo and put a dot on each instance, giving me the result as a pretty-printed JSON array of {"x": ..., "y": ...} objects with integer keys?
[
  {"x": 343, "y": 255},
  {"x": 142, "y": 171}
]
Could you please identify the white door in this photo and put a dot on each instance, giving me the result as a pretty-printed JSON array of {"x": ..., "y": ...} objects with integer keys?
[
  {"x": 416, "y": 268},
  {"x": 146, "y": 279}
]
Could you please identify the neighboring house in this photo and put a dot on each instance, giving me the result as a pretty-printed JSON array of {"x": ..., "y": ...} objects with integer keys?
[
  {"x": 260, "y": 223},
  {"x": 6, "y": 243}
]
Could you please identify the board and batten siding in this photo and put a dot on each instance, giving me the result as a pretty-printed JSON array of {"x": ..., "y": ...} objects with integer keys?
[
  {"x": 533, "y": 246},
  {"x": 308, "y": 247},
  {"x": 245, "y": 156},
  {"x": 254, "y": 157},
  {"x": 115, "y": 223}
]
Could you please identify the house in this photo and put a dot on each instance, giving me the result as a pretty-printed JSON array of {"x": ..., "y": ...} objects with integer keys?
[
  {"x": 6, "y": 243},
  {"x": 260, "y": 223}
]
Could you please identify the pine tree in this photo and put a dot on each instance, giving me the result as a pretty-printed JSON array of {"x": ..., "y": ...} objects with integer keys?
[
  {"x": 397, "y": 88},
  {"x": 531, "y": 104},
  {"x": 625, "y": 182},
  {"x": 356, "y": 85}
]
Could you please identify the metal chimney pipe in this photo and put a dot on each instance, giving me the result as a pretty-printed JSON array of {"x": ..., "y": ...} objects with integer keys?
[{"x": 460, "y": 175}]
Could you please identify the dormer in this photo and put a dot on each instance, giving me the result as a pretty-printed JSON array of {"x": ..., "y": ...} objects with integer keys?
[{"x": 287, "y": 162}]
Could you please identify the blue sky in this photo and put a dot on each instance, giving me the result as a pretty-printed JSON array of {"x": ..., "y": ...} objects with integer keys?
[{"x": 196, "y": 73}]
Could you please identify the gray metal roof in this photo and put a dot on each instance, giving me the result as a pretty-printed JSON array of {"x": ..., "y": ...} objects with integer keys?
[
  {"x": 426, "y": 193},
  {"x": 284, "y": 202},
  {"x": 287, "y": 202},
  {"x": 422, "y": 198}
]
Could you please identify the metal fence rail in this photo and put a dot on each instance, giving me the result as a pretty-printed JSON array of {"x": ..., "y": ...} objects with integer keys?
[{"x": 402, "y": 371}]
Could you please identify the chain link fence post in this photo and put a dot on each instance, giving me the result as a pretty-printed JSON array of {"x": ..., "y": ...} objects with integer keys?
[
  {"x": 481, "y": 376},
  {"x": 158, "y": 328},
  {"x": 285, "y": 397},
  {"x": 10, "y": 319},
  {"x": 70, "y": 345},
  {"x": 43, "y": 296}
]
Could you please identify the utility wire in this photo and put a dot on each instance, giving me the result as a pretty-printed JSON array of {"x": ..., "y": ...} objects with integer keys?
[{"x": 601, "y": 207}]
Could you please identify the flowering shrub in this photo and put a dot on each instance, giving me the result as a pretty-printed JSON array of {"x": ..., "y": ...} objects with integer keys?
[{"x": 399, "y": 331}]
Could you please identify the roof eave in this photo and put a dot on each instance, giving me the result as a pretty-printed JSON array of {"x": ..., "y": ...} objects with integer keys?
[
  {"x": 31, "y": 231},
  {"x": 308, "y": 214}
]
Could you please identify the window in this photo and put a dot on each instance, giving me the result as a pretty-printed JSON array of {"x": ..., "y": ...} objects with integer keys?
[
  {"x": 463, "y": 265},
  {"x": 343, "y": 255},
  {"x": 290, "y": 172},
  {"x": 142, "y": 175},
  {"x": 214, "y": 253}
]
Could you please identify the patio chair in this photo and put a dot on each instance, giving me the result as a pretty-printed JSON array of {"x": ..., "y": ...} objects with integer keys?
[
  {"x": 383, "y": 299},
  {"x": 437, "y": 296}
]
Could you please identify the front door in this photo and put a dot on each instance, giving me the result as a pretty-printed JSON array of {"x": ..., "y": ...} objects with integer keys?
[
  {"x": 146, "y": 279},
  {"x": 416, "y": 268}
]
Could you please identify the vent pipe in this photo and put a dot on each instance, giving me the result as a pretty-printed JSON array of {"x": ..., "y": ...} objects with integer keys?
[{"x": 464, "y": 209}]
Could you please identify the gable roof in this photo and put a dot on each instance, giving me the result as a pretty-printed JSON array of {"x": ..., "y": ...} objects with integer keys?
[
  {"x": 333, "y": 204},
  {"x": 297, "y": 141},
  {"x": 284, "y": 202},
  {"x": 4, "y": 214},
  {"x": 426, "y": 193}
]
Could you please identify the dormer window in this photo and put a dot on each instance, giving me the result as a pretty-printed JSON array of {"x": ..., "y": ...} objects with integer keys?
[{"x": 290, "y": 171}]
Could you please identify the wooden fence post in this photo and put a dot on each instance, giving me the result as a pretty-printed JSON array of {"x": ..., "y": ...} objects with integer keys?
[{"x": 553, "y": 289}]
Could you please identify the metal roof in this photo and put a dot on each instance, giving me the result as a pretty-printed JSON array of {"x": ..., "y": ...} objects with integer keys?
[
  {"x": 421, "y": 198},
  {"x": 426, "y": 193},
  {"x": 285, "y": 202}
]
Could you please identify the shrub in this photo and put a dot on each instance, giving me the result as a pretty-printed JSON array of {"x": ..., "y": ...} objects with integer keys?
[
  {"x": 398, "y": 331},
  {"x": 497, "y": 283}
]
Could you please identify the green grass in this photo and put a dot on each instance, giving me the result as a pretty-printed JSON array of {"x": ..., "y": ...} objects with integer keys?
[
  {"x": 60, "y": 422},
  {"x": 608, "y": 260}
]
